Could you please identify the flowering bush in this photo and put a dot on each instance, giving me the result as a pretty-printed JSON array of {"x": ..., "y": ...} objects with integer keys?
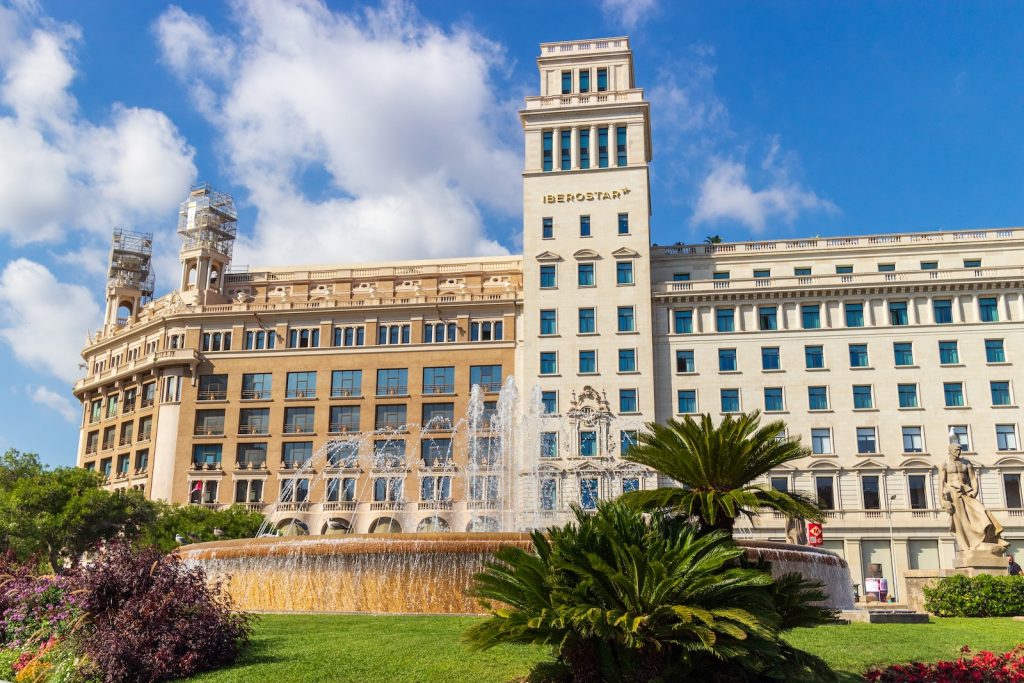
[
  {"x": 984, "y": 667},
  {"x": 976, "y": 596}
]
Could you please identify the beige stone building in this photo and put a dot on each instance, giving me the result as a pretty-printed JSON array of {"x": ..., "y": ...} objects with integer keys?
[{"x": 376, "y": 397}]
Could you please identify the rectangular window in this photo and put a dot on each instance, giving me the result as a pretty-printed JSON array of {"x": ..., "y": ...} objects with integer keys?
[
  {"x": 547, "y": 228},
  {"x": 211, "y": 388},
  {"x": 684, "y": 361},
  {"x": 602, "y": 79},
  {"x": 780, "y": 484},
  {"x": 298, "y": 420},
  {"x": 207, "y": 455},
  {"x": 584, "y": 143},
  {"x": 825, "y": 490},
  {"x": 988, "y": 309},
  {"x": 962, "y": 435},
  {"x": 546, "y": 150},
  {"x": 720, "y": 275},
  {"x": 627, "y": 401},
  {"x": 725, "y": 319},
  {"x": 898, "y": 313},
  {"x": 680, "y": 277},
  {"x": 814, "y": 357},
  {"x": 858, "y": 355},
  {"x": 913, "y": 442},
  {"x": 349, "y": 335},
  {"x": 821, "y": 441},
  {"x": 886, "y": 267},
  {"x": 929, "y": 265},
  {"x": 212, "y": 341},
  {"x": 867, "y": 441},
  {"x": 802, "y": 272},
  {"x": 994, "y": 351},
  {"x": 301, "y": 385},
  {"x": 439, "y": 380},
  {"x": 623, "y": 223},
  {"x": 972, "y": 263},
  {"x": 548, "y": 494},
  {"x": 549, "y": 444},
  {"x": 442, "y": 332},
  {"x": 344, "y": 419},
  {"x": 1011, "y": 491},
  {"x": 727, "y": 360},
  {"x": 346, "y": 383},
  {"x": 907, "y": 394},
  {"x": 810, "y": 316},
  {"x": 817, "y": 398},
  {"x": 549, "y": 402},
  {"x": 254, "y": 421},
  {"x": 854, "y": 315},
  {"x": 208, "y": 423},
  {"x": 627, "y": 439},
  {"x": 773, "y": 400},
  {"x": 1006, "y": 437},
  {"x": 903, "y": 353},
  {"x": 767, "y": 318},
  {"x": 548, "y": 322},
  {"x": 547, "y": 277},
  {"x": 949, "y": 353},
  {"x": 585, "y": 274},
  {"x": 942, "y": 309},
  {"x": 917, "y": 485},
  {"x": 871, "y": 492},
  {"x": 602, "y": 147},
  {"x": 259, "y": 340},
  {"x": 687, "y": 401},
  {"x": 682, "y": 321},
  {"x": 548, "y": 363},
  {"x": 588, "y": 494},
  {"x": 762, "y": 274},
  {"x": 626, "y": 319},
  {"x": 566, "y": 150},
  {"x": 588, "y": 443},
  {"x": 730, "y": 400},
  {"x": 627, "y": 360},
  {"x": 624, "y": 273},
  {"x": 954, "y": 394},
  {"x": 862, "y": 397},
  {"x": 770, "y": 359},
  {"x": 588, "y": 362},
  {"x": 1000, "y": 393},
  {"x": 566, "y": 82},
  {"x": 436, "y": 452},
  {"x": 306, "y": 338},
  {"x": 487, "y": 377},
  {"x": 584, "y": 226},
  {"x": 620, "y": 145},
  {"x": 391, "y": 416},
  {"x": 844, "y": 270}
]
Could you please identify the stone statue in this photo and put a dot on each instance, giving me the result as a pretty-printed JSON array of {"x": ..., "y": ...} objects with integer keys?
[
  {"x": 796, "y": 530},
  {"x": 978, "y": 533}
]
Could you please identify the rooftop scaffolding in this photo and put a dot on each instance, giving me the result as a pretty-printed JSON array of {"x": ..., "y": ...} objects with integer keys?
[
  {"x": 131, "y": 255},
  {"x": 208, "y": 219}
]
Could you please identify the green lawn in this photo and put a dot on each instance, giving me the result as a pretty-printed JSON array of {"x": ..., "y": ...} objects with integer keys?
[{"x": 342, "y": 648}]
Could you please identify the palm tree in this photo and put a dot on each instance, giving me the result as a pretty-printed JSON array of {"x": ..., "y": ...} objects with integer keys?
[
  {"x": 716, "y": 466},
  {"x": 712, "y": 239}
]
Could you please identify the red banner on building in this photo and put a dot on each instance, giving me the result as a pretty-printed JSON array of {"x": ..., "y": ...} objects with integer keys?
[{"x": 814, "y": 534}]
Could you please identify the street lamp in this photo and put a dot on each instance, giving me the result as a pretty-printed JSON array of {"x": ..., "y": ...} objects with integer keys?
[{"x": 892, "y": 549}]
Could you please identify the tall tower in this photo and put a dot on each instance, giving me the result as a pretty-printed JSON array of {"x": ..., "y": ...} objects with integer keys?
[
  {"x": 130, "y": 276},
  {"x": 207, "y": 224},
  {"x": 586, "y": 266}
]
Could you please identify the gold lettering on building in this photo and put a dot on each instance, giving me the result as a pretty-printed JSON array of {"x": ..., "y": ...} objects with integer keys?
[{"x": 596, "y": 196}]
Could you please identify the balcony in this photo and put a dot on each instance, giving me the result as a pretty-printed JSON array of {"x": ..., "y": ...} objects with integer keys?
[
  {"x": 393, "y": 390},
  {"x": 393, "y": 425},
  {"x": 435, "y": 505},
  {"x": 490, "y": 387},
  {"x": 293, "y": 507},
  {"x": 253, "y": 429},
  {"x": 388, "y": 464},
  {"x": 437, "y": 465},
  {"x": 340, "y": 506},
  {"x": 90, "y": 449},
  {"x": 213, "y": 395},
  {"x": 298, "y": 428},
  {"x": 107, "y": 445},
  {"x": 346, "y": 393},
  {"x": 251, "y": 465},
  {"x": 341, "y": 428},
  {"x": 483, "y": 505},
  {"x": 434, "y": 389},
  {"x": 128, "y": 408},
  {"x": 255, "y": 394},
  {"x": 125, "y": 440},
  {"x": 206, "y": 466},
  {"x": 387, "y": 505},
  {"x": 438, "y": 424},
  {"x": 146, "y": 403},
  {"x": 168, "y": 357},
  {"x": 145, "y": 436},
  {"x": 254, "y": 507},
  {"x": 209, "y": 430},
  {"x": 300, "y": 393}
]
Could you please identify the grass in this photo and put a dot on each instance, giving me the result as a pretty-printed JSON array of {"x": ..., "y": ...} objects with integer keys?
[{"x": 415, "y": 649}]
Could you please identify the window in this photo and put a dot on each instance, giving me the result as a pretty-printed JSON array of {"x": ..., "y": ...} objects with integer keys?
[
  {"x": 810, "y": 316},
  {"x": 913, "y": 442},
  {"x": 211, "y": 388},
  {"x": 254, "y": 421},
  {"x": 684, "y": 361},
  {"x": 821, "y": 441},
  {"x": 773, "y": 401},
  {"x": 305, "y": 338},
  {"x": 440, "y": 380},
  {"x": 602, "y": 147},
  {"x": 854, "y": 315},
  {"x": 344, "y": 419},
  {"x": 583, "y": 135},
  {"x": 346, "y": 383},
  {"x": 886, "y": 267},
  {"x": 350, "y": 335},
  {"x": 566, "y": 82},
  {"x": 725, "y": 319},
  {"x": 972, "y": 263},
  {"x": 588, "y": 494},
  {"x": 341, "y": 490},
  {"x": 548, "y": 494},
  {"x": 112, "y": 405},
  {"x": 584, "y": 226},
  {"x": 907, "y": 394},
  {"x": 588, "y": 443},
  {"x": 917, "y": 485},
  {"x": 825, "y": 489},
  {"x": 624, "y": 273},
  {"x": 548, "y": 279},
  {"x": 720, "y": 275},
  {"x": 898, "y": 313},
  {"x": 680, "y": 277},
  {"x": 770, "y": 358},
  {"x": 602, "y": 80},
  {"x": 206, "y": 455},
  {"x": 962, "y": 435},
  {"x": 727, "y": 360},
  {"x": 1011, "y": 490},
  {"x": 549, "y": 402},
  {"x": 259, "y": 340},
  {"x": 343, "y": 453},
  {"x": 767, "y": 318},
  {"x": 566, "y": 150},
  {"x": 1006, "y": 437},
  {"x": 627, "y": 322},
  {"x": 587, "y": 322},
  {"x": 630, "y": 484},
  {"x": 436, "y": 488},
  {"x": 817, "y": 398},
  {"x": 988, "y": 309},
  {"x": 549, "y": 444},
  {"x": 994, "y": 352},
  {"x": 391, "y": 416},
  {"x": 584, "y": 82},
  {"x": 858, "y": 355},
  {"x": 870, "y": 492},
  {"x": 949, "y": 354},
  {"x": 802, "y": 272},
  {"x": 393, "y": 382},
  {"x": 393, "y": 334},
  {"x": 548, "y": 322},
  {"x": 301, "y": 385},
  {"x": 627, "y": 401},
  {"x": 687, "y": 401},
  {"x": 441, "y": 332},
  {"x": 548, "y": 363},
  {"x": 387, "y": 489},
  {"x": 627, "y": 439},
  {"x": 1000, "y": 393},
  {"x": 623, "y": 223},
  {"x": 862, "y": 397},
  {"x": 954, "y": 394},
  {"x": 216, "y": 341},
  {"x": 627, "y": 360},
  {"x": 682, "y": 321},
  {"x": 620, "y": 145},
  {"x": 585, "y": 275},
  {"x": 844, "y": 270},
  {"x": 547, "y": 228},
  {"x": 730, "y": 400},
  {"x": 814, "y": 357},
  {"x": 929, "y": 265},
  {"x": 488, "y": 377},
  {"x": 762, "y": 274},
  {"x": 298, "y": 420},
  {"x": 780, "y": 484},
  {"x": 903, "y": 353},
  {"x": 546, "y": 150},
  {"x": 867, "y": 441},
  {"x": 942, "y": 309},
  {"x": 588, "y": 362}
]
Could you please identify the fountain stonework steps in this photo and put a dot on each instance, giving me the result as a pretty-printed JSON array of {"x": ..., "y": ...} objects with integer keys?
[{"x": 413, "y": 573}]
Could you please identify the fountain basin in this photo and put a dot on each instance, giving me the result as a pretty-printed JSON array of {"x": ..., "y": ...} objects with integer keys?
[{"x": 412, "y": 573}]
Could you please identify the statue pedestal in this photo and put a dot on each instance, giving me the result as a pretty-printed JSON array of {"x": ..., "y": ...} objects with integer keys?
[{"x": 980, "y": 562}]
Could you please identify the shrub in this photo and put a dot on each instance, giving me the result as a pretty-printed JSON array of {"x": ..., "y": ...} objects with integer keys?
[
  {"x": 151, "y": 618},
  {"x": 984, "y": 667},
  {"x": 977, "y": 596},
  {"x": 34, "y": 609}
]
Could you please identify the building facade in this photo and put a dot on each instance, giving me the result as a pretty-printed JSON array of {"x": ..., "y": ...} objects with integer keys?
[{"x": 489, "y": 393}]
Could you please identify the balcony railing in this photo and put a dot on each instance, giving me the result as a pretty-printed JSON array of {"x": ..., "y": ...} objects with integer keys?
[
  {"x": 255, "y": 507},
  {"x": 90, "y": 449},
  {"x": 393, "y": 390},
  {"x": 146, "y": 403},
  {"x": 490, "y": 387},
  {"x": 213, "y": 395},
  {"x": 438, "y": 388},
  {"x": 346, "y": 393},
  {"x": 300, "y": 393},
  {"x": 255, "y": 394},
  {"x": 340, "y": 506},
  {"x": 209, "y": 430},
  {"x": 251, "y": 465},
  {"x": 254, "y": 429},
  {"x": 483, "y": 504},
  {"x": 339, "y": 428},
  {"x": 298, "y": 428},
  {"x": 107, "y": 445},
  {"x": 125, "y": 440},
  {"x": 212, "y": 466},
  {"x": 391, "y": 424},
  {"x": 435, "y": 505},
  {"x": 144, "y": 436},
  {"x": 293, "y": 507},
  {"x": 128, "y": 408},
  {"x": 387, "y": 505}
]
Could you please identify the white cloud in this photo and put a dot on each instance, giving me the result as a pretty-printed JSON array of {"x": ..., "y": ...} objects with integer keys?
[
  {"x": 59, "y": 403},
  {"x": 395, "y": 120},
  {"x": 60, "y": 172},
  {"x": 45, "y": 321},
  {"x": 726, "y": 194},
  {"x": 628, "y": 13}
]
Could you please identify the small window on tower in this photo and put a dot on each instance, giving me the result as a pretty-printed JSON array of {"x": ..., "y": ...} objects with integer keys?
[{"x": 566, "y": 82}]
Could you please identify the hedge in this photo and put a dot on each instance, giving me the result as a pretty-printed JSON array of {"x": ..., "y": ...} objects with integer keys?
[{"x": 977, "y": 596}]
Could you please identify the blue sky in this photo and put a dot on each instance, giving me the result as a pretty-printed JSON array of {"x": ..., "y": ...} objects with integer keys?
[{"x": 379, "y": 131}]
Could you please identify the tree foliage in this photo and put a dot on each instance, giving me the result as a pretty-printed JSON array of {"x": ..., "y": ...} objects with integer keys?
[
  {"x": 196, "y": 523},
  {"x": 716, "y": 466}
]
